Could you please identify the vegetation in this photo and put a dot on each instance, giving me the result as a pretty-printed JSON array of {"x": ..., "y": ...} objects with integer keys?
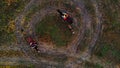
[
  {"x": 14, "y": 66},
  {"x": 108, "y": 45},
  {"x": 8, "y": 11},
  {"x": 46, "y": 4},
  {"x": 108, "y": 51},
  {"x": 54, "y": 29},
  {"x": 92, "y": 65},
  {"x": 89, "y": 6},
  {"x": 51, "y": 29},
  {"x": 11, "y": 53},
  {"x": 61, "y": 59}
]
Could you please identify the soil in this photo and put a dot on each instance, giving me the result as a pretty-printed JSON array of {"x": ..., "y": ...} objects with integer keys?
[{"x": 71, "y": 51}]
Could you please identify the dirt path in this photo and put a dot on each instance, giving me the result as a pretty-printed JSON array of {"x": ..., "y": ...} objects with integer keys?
[
  {"x": 19, "y": 34},
  {"x": 39, "y": 15},
  {"x": 85, "y": 56},
  {"x": 71, "y": 52},
  {"x": 20, "y": 37},
  {"x": 98, "y": 26},
  {"x": 86, "y": 20}
]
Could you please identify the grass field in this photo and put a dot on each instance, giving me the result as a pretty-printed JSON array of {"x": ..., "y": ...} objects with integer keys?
[
  {"x": 108, "y": 45},
  {"x": 8, "y": 12},
  {"x": 55, "y": 29},
  {"x": 92, "y": 65}
]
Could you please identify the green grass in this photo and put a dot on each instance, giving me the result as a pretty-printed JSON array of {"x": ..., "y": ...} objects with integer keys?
[
  {"x": 92, "y": 65},
  {"x": 109, "y": 52},
  {"x": 108, "y": 45},
  {"x": 103, "y": 50},
  {"x": 7, "y": 14},
  {"x": 54, "y": 27},
  {"x": 111, "y": 17}
]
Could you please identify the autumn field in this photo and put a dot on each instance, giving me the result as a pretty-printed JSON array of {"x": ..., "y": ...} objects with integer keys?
[{"x": 95, "y": 43}]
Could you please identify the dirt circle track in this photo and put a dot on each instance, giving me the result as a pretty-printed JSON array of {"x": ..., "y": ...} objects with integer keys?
[{"x": 87, "y": 33}]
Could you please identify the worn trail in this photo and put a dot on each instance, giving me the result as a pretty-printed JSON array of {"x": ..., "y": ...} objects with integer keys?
[{"x": 71, "y": 51}]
